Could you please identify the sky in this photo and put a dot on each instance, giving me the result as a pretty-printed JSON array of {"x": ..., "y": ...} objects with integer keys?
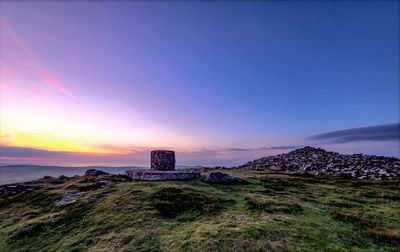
[{"x": 219, "y": 82}]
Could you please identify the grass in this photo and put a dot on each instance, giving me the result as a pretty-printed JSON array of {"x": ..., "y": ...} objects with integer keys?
[{"x": 274, "y": 212}]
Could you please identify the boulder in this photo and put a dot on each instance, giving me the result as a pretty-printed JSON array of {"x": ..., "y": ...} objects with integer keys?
[
  {"x": 275, "y": 168},
  {"x": 222, "y": 178},
  {"x": 94, "y": 173}
]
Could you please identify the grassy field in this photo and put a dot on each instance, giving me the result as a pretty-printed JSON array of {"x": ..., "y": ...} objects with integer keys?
[{"x": 274, "y": 212}]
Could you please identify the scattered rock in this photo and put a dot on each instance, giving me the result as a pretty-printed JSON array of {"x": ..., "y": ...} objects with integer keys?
[
  {"x": 15, "y": 189},
  {"x": 63, "y": 177},
  {"x": 222, "y": 178},
  {"x": 322, "y": 163},
  {"x": 102, "y": 182},
  {"x": 69, "y": 198},
  {"x": 94, "y": 173}
]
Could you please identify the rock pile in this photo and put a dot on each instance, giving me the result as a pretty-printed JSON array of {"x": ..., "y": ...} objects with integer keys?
[{"x": 321, "y": 162}]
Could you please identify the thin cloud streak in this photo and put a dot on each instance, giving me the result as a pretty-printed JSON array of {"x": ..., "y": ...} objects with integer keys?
[
  {"x": 26, "y": 159},
  {"x": 238, "y": 149},
  {"x": 387, "y": 132},
  {"x": 41, "y": 73},
  {"x": 282, "y": 147},
  {"x": 18, "y": 152}
]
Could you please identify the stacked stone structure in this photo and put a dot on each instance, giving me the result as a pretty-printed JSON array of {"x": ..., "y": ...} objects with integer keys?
[
  {"x": 162, "y": 160},
  {"x": 162, "y": 168}
]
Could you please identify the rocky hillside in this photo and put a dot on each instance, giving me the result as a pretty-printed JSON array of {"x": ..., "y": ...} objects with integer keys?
[{"x": 321, "y": 162}]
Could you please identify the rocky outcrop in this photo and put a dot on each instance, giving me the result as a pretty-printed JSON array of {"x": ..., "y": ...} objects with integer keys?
[
  {"x": 94, "y": 173},
  {"x": 222, "y": 178},
  {"x": 15, "y": 189},
  {"x": 321, "y": 162},
  {"x": 162, "y": 175},
  {"x": 25, "y": 187},
  {"x": 86, "y": 183},
  {"x": 162, "y": 160}
]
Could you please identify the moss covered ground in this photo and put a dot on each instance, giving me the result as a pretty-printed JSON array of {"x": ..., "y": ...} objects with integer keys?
[{"x": 274, "y": 212}]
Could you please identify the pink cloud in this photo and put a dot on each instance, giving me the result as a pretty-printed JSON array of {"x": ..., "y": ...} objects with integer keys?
[
  {"x": 27, "y": 158},
  {"x": 40, "y": 71}
]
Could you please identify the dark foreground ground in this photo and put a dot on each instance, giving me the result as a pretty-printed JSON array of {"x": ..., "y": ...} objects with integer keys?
[{"x": 275, "y": 212}]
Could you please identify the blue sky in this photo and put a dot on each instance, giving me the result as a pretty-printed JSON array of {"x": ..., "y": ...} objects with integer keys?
[{"x": 200, "y": 77}]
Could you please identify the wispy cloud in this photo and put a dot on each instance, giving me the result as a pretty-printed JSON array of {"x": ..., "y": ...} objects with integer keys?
[
  {"x": 238, "y": 149},
  {"x": 23, "y": 152},
  {"x": 116, "y": 149},
  {"x": 281, "y": 147},
  {"x": 387, "y": 132},
  {"x": 40, "y": 71},
  {"x": 25, "y": 159}
]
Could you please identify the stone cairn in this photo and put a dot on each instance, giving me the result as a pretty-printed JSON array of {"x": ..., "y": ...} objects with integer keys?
[
  {"x": 326, "y": 163},
  {"x": 162, "y": 160},
  {"x": 162, "y": 168}
]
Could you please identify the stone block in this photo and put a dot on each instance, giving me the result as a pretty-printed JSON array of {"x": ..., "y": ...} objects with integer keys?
[{"x": 162, "y": 160}]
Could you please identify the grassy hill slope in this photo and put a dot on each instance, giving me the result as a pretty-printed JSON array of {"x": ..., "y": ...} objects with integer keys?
[{"x": 277, "y": 212}]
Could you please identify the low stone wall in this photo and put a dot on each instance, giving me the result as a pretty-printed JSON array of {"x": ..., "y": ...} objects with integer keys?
[{"x": 162, "y": 175}]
